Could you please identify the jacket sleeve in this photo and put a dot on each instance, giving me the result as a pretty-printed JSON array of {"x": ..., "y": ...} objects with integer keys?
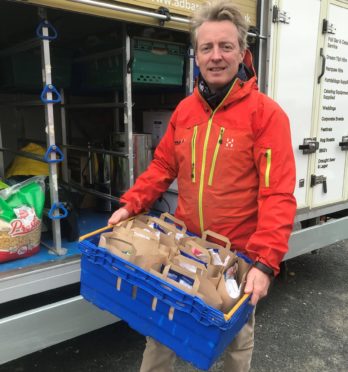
[
  {"x": 159, "y": 175},
  {"x": 274, "y": 160}
]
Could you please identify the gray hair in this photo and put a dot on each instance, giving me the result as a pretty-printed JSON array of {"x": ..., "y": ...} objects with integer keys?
[{"x": 220, "y": 10}]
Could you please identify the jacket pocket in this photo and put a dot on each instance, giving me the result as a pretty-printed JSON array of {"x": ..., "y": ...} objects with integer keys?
[
  {"x": 215, "y": 155},
  {"x": 266, "y": 168}
]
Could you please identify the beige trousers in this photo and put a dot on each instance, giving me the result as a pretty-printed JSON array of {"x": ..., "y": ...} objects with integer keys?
[{"x": 237, "y": 356}]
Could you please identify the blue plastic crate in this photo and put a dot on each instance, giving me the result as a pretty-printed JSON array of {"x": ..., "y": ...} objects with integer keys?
[{"x": 197, "y": 332}]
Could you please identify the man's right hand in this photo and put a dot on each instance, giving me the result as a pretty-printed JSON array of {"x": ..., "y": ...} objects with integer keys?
[{"x": 120, "y": 215}]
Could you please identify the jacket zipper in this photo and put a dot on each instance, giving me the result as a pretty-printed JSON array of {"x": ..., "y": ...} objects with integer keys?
[
  {"x": 268, "y": 155},
  {"x": 193, "y": 154},
  {"x": 204, "y": 159},
  {"x": 217, "y": 147}
]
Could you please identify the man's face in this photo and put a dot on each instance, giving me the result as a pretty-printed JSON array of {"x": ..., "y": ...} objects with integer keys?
[{"x": 218, "y": 54}]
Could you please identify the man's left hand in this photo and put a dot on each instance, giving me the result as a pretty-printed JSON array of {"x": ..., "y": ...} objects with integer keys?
[{"x": 257, "y": 283}]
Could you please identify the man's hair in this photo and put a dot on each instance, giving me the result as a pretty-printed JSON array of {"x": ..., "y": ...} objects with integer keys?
[{"x": 220, "y": 10}]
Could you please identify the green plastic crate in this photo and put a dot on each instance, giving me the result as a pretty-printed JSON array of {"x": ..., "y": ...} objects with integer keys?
[
  {"x": 23, "y": 70},
  {"x": 155, "y": 62},
  {"x": 101, "y": 72}
]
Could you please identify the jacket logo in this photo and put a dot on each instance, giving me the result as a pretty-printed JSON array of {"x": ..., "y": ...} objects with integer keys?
[
  {"x": 179, "y": 142},
  {"x": 229, "y": 143}
]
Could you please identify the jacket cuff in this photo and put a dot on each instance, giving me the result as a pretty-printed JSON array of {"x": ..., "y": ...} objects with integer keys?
[{"x": 275, "y": 269}]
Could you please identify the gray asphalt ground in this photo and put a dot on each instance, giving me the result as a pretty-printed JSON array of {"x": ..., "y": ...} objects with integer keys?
[{"x": 301, "y": 326}]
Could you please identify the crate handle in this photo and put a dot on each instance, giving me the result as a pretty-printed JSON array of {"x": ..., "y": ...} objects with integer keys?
[
  {"x": 95, "y": 232},
  {"x": 244, "y": 298},
  {"x": 98, "y": 231},
  {"x": 217, "y": 236}
]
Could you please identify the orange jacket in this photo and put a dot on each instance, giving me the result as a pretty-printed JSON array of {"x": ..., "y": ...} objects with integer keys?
[{"x": 235, "y": 171}]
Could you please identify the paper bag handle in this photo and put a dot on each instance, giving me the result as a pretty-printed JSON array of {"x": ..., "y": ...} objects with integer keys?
[
  {"x": 175, "y": 220},
  {"x": 164, "y": 275},
  {"x": 127, "y": 242},
  {"x": 217, "y": 236}
]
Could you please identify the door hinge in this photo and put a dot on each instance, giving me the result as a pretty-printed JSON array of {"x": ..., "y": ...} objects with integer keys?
[
  {"x": 310, "y": 145},
  {"x": 344, "y": 143},
  {"x": 279, "y": 16},
  {"x": 316, "y": 180},
  {"x": 328, "y": 28}
]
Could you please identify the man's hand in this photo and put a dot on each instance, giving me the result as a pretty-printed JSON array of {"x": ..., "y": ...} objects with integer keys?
[
  {"x": 257, "y": 283},
  {"x": 120, "y": 215}
]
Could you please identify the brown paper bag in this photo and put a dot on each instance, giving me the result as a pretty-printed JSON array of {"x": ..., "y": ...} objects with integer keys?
[
  {"x": 208, "y": 293},
  {"x": 148, "y": 262},
  {"x": 243, "y": 269},
  {"x": 214, "y": 273},
  {"x": 169, "y": 229},
  {"x": 228, "y": 301},
  {"x": 139, "y": 249},
  {"x": 192, "y": 247},
  {"x": 189, "y": 264},
  {"x": 177, "y": 269},
  {"x": 123, "y": 248},
  {"x": 201, "y": 287}
]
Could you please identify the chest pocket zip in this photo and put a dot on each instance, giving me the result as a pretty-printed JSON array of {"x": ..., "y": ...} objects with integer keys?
[
  {"x": 193, "y": 154},
  {"x": 268, "y": 155},
  {"x": 217, "y": 147}
]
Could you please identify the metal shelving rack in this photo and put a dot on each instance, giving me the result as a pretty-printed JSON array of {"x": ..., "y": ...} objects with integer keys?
[
  {"x": 47, "y": 100},
  {"x": 128, "y": 125}
]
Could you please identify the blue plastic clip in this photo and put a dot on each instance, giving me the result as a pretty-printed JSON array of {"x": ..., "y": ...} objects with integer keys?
[
  {"x": 55, "y": 206},
  {"x": 50, "y": 88},
  {"x": 42, "y": 24},
  {"x": 56, "y": 149}
]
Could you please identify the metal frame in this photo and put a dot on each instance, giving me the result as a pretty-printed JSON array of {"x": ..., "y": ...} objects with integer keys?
[
  {"x": 128, "y": 112},
  {"x": 50, "y": 136},
  {"x": 318, "y": 236},
  {"x": 133, "y": 10},
  {"x": 48, "y": 325},
  {"x": 19, "y": 283}
]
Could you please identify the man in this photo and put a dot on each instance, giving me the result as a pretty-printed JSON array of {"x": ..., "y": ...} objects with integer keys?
[{"x": 229, "y": 147}]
